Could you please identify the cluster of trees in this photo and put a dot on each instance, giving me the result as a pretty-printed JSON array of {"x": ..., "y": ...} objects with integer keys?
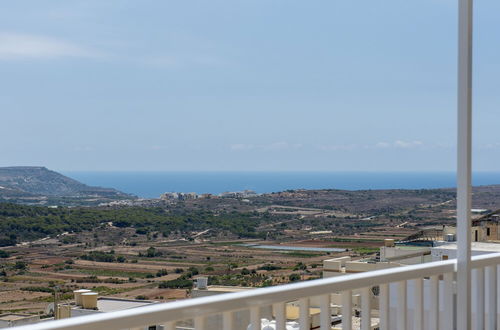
[
  {"x": 151, "y": 252},
  {"x": 161, "y": 272},
  {"x": 4, "y": 254},
  {"x": 39, "y": 289},
  {"x": 103, "y": 256},
  {"x": 179, "y": 283},
  {"x": 95, "y": 279},
  {"x": 300, "y": 266},
  {"x": 183, "y": 282},
  {"x": 23, "y": 223},
  {"x": 246, "y": 277},
  {"x": 269, "y": 267}
]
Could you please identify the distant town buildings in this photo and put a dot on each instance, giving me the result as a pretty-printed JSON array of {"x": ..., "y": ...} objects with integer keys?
[
  {"x": 181, "y": 196},
  {"x": 239, "y": 194}
]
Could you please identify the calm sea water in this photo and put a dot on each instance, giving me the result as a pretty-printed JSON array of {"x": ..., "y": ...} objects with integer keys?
[{"x": 152, "y": 184}]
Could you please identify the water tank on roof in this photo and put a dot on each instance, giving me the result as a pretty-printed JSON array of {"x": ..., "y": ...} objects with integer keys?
[
  {"x": 201, "y": 283},
  {"x": 89, "y": 300},
  {"x": 389, "y": 242},
  {"x": 78, "y": 296}
]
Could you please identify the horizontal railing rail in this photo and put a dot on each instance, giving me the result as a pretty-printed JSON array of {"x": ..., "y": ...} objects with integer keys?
[{"x": 198, "y": 309}]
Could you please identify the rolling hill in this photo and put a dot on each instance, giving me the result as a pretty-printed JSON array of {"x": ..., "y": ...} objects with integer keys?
[{"x": 39, "y": 185}]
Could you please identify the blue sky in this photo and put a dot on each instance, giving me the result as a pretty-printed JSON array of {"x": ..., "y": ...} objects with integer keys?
[{"x": 242, "y": 85}]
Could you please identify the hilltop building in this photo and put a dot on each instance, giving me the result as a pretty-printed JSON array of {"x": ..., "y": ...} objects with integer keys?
[{"x": 484, "y": 228}]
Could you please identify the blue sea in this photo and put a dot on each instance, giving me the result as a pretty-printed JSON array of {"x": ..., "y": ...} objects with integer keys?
[{"x": 152, "y": 184}]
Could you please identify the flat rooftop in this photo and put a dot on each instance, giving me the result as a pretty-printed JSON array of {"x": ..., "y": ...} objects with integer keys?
[
  {"x": 412, "y": 247},
  {"x": 106, "y": 304},
  {"x": 223, "y": 288},
  {"x": 475, "y": 246},
  {"x": 16, "y": 316}
]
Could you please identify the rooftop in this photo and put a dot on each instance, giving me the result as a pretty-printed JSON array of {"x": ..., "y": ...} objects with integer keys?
[
  {"x": 475, "y": 246},
  {"x": 223, "y": 288},
  {"x": 410, "y": 247},
  {"x": 107, "y": 304},
  {"x": 15, "y": 316}
]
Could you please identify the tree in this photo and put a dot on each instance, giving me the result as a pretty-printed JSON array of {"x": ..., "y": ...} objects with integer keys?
[
  {"x": 21, "y": 265},
  {"x": 151, "y": 252},
  {"x": 4, "y": 254}
]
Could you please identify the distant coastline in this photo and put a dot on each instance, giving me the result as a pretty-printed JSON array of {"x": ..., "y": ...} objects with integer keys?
[{"x": 152, "y": 184}]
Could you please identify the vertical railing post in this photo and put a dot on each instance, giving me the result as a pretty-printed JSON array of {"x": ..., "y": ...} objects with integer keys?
[
  {"x": 366, "y": 309},
  {"x": 418, "y": 305},
  {"x": 434, "y": 303},
  {"x": 464, "y": 163},
  {"x": 346, "y": 310},
  {"x": 227, "y": 321},
  {"x": 384, "y": 306},
  {"x": 199, "y": 323},
  {"x": 491, "y": 297},
  {"x": 304, "y": 320},
  {"x": 477, "y": 290},
  {"x": 280, "y": 316},
  {"x": 325, "y": 313},
  {"x": 255, "y": 320},
  {"x": 402, "y": 305},
  {"x": 448, "y": 301}
]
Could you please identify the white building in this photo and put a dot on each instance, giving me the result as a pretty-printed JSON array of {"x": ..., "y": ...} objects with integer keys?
[
  {"x": 448, "y": 250},
  {"x": 17, "y": 319}
]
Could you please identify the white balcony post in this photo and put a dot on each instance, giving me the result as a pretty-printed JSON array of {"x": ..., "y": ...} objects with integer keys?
[
  {"x": 304, "y": 313},
  {"x": 255, "y": 318},
  {"x": 325, "y": 314},
  {"x": 464, "y": 148},
  {"x": 434, "y": 303},
  {"x": 402, "y": 305},
  {"x": 384, "y": 306},
  {"x": 491, "y": 297},
  {"x": 227, "y": 321},
  {"x": 280, "y": 315},
  {"x": 448, "y": 301},
  {"x": 366, "y": 309},
  {"x": 199, "y": 323},
  {"x": 418, "y": 303},
  {"x": 346, "y": 310}
]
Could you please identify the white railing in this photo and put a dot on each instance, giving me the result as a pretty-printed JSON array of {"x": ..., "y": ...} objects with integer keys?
[{"x": 411, "y": 297}]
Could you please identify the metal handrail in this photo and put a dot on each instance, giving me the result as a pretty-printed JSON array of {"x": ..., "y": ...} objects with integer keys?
[{"x": 188, "y": 309}]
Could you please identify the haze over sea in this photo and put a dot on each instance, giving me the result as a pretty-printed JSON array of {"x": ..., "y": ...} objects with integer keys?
[{"x": 152, "y": 184}]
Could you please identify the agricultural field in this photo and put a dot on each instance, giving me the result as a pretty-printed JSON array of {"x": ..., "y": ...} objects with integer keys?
[
  {"x": 156, "y": 251},
  {"x": 160, "y": 270}
]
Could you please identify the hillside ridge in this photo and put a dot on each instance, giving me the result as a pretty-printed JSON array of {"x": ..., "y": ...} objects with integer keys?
[{"x": 37, "y": 183}]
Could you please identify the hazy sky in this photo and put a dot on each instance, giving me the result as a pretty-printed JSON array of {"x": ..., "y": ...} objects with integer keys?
[{"x": 242, "y": 85}]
